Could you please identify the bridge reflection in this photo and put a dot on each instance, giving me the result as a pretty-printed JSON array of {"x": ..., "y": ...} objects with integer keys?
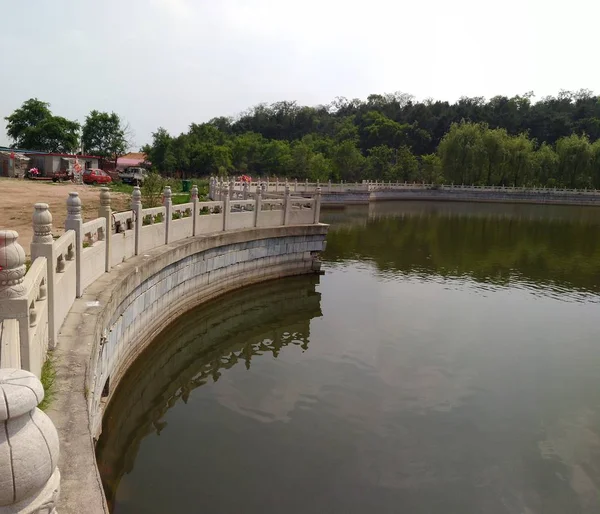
[{"x": 197, "y": 348}]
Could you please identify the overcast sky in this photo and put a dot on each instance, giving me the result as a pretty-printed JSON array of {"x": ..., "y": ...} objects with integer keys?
[{"x": 172, "y": 62}]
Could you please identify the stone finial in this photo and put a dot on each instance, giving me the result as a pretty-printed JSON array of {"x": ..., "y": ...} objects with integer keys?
[
  {"x": 29, "y": 448},
  {"x": 104, "y": 197},
  {"x": 319, "y": 190},
  {"x": 42, "y": 223},
  {"x": 287, "y": 190},
  {"x": 136, "y": 196},
  {"x": 194, "y": 192},
  {"x": 167, "y": 194},
  {"x": 258, "y": 190},
  {"x": 12, "y": 265},
  {"x": 74, "y": 207}
]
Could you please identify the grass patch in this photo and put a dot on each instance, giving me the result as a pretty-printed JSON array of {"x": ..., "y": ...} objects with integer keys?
[
  {"x": 179, "y": 199},
  {"x": 48, "y": 380},
  {"x": 119, "y": 187}
]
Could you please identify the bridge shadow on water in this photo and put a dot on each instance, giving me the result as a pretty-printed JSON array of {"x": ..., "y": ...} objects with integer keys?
[{"x": 194, "y": 349}]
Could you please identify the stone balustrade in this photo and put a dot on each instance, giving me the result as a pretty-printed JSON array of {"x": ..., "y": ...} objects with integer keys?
[
  {"x": 63, "y": 268},
  {"x": 29, "y": 447},
  {"x": 218, "y": 188}
]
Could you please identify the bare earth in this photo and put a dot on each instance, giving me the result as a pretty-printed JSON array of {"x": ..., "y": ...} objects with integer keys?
[{"x": 17, "y": 198}]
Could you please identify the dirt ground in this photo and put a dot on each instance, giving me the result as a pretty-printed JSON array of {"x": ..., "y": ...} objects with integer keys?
[{"x": 17, "y": 198}]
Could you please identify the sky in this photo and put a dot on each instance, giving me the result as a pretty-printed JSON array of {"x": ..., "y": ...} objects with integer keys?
[{"x": 170, "y": 63}]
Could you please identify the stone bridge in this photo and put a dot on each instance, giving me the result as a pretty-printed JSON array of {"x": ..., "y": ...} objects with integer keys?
[
  {"x": 94, "y": 299},
  {"x": 347, "y": 193}
]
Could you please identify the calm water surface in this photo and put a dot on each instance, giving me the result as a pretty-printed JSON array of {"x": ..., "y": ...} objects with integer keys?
[{"x": 447, "y": 362}]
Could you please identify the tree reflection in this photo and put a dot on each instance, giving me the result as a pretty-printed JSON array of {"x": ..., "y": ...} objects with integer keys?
[
  {"x": 493, "y": 243},
  {"x": 197, "y": 348}
]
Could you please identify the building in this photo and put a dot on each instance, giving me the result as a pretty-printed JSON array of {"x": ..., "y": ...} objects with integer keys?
[
  {"x": 49, "y": 163},
  {"x": 13, "y": 163},
  {"x": 131, "y": 159}
]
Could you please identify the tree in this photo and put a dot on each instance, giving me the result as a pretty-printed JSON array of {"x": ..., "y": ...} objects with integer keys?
[
  {"x": 34, "y": 127},
  {"x": 574, "y": 160},
  {"x": 105, "y": 135}
]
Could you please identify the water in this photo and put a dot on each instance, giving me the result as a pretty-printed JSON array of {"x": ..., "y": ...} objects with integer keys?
[{"x": 447, "y": 362}]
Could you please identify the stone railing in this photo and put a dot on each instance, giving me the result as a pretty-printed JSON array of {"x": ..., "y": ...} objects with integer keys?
[
  {"x": 33, "y": 306},
  {"x": 29, "y": 476},
  {"x": 219, "y": 188}
]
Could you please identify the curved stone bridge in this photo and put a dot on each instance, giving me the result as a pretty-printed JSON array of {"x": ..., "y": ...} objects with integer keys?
[{"x": 99, "y": 294}]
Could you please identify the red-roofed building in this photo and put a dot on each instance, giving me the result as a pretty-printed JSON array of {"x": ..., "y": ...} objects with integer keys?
[{"x": 130, "y": 159}]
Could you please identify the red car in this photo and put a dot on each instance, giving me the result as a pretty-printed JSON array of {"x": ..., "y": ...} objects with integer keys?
[{"x": 96, "y": 176}]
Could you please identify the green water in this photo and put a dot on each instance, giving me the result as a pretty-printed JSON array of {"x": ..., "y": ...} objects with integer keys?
[{"x": 447, "y": 362}]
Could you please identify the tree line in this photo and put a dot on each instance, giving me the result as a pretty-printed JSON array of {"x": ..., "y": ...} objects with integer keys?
[
  {"x": 33, "y": 126},
  {"x": 501, "y": 141}
]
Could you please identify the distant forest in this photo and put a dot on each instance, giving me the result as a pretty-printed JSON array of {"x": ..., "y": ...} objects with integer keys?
[{"x": 553, "y": 142}]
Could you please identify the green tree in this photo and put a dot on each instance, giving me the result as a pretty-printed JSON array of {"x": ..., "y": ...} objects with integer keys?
[
  {"x": 545, "y": 165},
  {"x": 574, "y": 160},
  {"x": 431, "y": 169},
  {"x": 347, "y": 162},
  {"x": 34, "y": 127},
  {"x": 105, "y": 135}
]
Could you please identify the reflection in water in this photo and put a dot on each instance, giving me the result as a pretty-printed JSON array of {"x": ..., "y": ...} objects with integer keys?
[
  {"x": 455, "y": 369},
  {"x": 194, "y": 350},
  {"x": 545, "y": 246}
]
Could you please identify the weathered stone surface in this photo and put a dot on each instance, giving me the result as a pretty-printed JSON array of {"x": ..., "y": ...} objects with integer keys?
[
  {"x": 20, "y": 391},
  {"x": 29, "y": 448}
]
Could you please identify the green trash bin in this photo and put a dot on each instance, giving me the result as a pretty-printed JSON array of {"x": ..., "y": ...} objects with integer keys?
[{"x": 186, "y": 185}]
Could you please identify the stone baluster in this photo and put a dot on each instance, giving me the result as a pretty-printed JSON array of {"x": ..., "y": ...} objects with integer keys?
[
  {"x": 329, "y": 189},
  {"x": 317, "y": 212},
  {"x": 136, "y": 207},
  {"x": 211, "y": 188},
  {"x": 276, "y": 185},
  {"x": 245, "y": 188},
  {"x": 168, "y": 203},
  {"x": 105, "y": 211},
  {"x": 29, "y": 448},
  {"x": 194, "y": 208},
  {"x": 287, "y": 204},
  {"x": 306, "y": 186},
  {"x": 231, "y": 190},
  {"x": 226, "y": 209},
  {"x": 14, "y": 308},
  {"x": 42, "y": 245},
  {"x": 74, "y": 222},
  {"x": 295, "y": 185},
  {"x": 258, "y": 205}
]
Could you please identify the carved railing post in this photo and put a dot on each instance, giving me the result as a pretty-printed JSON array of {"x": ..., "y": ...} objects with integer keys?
[
  {"x": 258, "y": 205},
  {"x": 227, "y": 206},
  {"x": 194, "y": 208},
  {"x": 245, "y": 188},
  {"x": 231, "y": 190},
  {"x": 13, "y": 299},
  {"x": 105, "y": 211},
  {"x": 42, "y": 245},
  {"x": 287, "y": 204},
  {"x": 317, "y": 206},
  {"x": 29, "y": 476},
  {"x": 74, "y": 222},
  {"x": 168, "y": 203},
  {"x": 136, "y": 207}
]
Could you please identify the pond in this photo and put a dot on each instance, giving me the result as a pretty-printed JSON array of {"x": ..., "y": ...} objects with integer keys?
[{"x": 448, "y": 361}]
